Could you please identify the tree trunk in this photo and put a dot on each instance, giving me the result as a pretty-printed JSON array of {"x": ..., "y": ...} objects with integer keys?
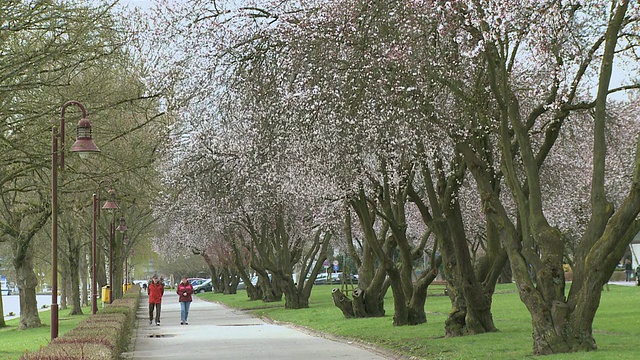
[
  {"x": 477, "y": 296},
  {"x": 230, "y": 281},
  {"x": 417, "y": 315},
  {"x": 101, "y": 276},
  {"x": 455, "y": 323},
  {"x": 343, "y": 303},
  {"x": 372, "y": 302},
  {"x": 76, "y": 307},
  {"x": 479, "y": 319},
  {"x": 370, "y": 280},
  {"x": 271, "y": 292},
  {"x": 2, "y": 322},
  {"x": 63, "y": 284},
  {"x": 359, "y": 308},
  {"x": 85, "y": 281},
  {"x": 27, "y": 282},
  {"x": 293, "y": 298},
  {"x": 72, "y": 275},
  {"x": 253, "y": 292},
  {"x": 548, "y": 327},
  {"x": 445, "y": 220},
  {"x": 400, "y": 310},
  {"x": 118, "y": 266}
]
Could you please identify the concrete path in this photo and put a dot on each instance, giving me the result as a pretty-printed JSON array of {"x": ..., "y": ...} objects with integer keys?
[{"x": 217, "y": 332}]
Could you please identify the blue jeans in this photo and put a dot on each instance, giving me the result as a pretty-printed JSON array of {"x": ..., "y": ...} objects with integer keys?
[{"x": 184, "y": 310}]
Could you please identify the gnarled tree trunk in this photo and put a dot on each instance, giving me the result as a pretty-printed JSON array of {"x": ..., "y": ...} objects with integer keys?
[
  {"x": 27, "y": 282},
  {"x": 368, "y": 297}
]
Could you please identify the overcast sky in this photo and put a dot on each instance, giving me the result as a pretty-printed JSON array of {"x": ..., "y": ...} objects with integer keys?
[
  {"x": 619, "y": 76},
  {"x": 144, "y": 4}
]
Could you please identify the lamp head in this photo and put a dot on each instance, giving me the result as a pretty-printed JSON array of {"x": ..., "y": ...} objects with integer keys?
[
  {"x": 110, "y": 204},
  {"x": 122, "y": 227},
  {"x": 84, "y": 144}
]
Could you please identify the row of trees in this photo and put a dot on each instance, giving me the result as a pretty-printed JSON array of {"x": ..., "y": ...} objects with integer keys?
[
  {"x": 478, "y": 132},
  {"x": 53, "y": 52}
]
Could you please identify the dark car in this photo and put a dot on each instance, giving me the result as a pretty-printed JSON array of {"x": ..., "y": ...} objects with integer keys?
[{"x": 206, "y": 286}]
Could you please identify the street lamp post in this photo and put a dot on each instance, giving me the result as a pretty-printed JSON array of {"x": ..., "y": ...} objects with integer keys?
[
  {"x": 122, "y": 228},
  {"x": 94, "y": 253},
  {"x": 110, "y": 204},
  {"x": 126, "y": 262},
  {"x": 84, "y": 146}
]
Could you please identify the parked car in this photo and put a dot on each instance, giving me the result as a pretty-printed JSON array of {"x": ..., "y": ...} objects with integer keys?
[
  {"x": 204, "y": 286},
  {"x": 336, "y": 278},
  {"x": 196, "y": 281},
  {"x": 254, "y": 281}
]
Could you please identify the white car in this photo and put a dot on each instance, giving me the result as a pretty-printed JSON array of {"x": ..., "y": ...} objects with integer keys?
[{"x": 204, "y": 286}]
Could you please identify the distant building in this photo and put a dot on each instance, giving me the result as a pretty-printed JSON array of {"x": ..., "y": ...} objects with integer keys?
[{"x": 635, "y": 251}]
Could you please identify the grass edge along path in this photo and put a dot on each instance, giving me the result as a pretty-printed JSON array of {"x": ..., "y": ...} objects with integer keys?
[
  {"x": 616, "y": 326},
  {"x": 14, "y": 342}
]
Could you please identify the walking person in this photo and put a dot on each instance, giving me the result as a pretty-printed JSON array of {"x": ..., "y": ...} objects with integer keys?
[
  {"x": 628, "y": 269},
  {"x": 155, "y": 291},
  {"x": 185, "y": 290}
]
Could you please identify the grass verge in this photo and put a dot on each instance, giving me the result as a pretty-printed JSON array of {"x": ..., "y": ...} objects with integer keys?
[
  {"x": 616, "y": 326},
  {"x": 14, "y": 342}
]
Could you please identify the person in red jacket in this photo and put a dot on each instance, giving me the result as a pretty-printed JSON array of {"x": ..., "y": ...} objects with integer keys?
[
  {"x": 155, "y": 291},
  {"x": 185, "y": 289}
]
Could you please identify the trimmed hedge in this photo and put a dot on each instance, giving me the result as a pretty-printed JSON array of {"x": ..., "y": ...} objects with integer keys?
[
  {"x": 72, "y": 351},
  {"x": 103, "y": 336}
]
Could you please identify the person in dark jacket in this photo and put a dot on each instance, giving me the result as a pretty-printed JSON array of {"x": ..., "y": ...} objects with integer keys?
[
  {"x": 628, "y": 269},
  {"x": 155, "y": 291},
  {"x": 185, "y": 290}
]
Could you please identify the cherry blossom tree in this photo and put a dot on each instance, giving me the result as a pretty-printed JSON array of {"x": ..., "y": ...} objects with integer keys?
[
  {"x": 455, "y": 113},
  {"x": 538, "y": 58}
]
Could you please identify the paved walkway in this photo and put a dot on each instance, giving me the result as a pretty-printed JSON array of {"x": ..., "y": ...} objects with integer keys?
[{"x": 217, "y": 332}]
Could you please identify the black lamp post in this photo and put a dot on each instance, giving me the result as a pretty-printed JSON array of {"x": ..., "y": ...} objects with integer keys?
[{"x": 84, "y": 146}]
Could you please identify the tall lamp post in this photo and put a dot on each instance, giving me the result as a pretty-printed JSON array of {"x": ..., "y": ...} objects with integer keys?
[
  {"x": 122, "y": 228},
  {"x": 84, "y": 146},
  {"x": 110, "y": 204},
  {"x": 126, "y": 262}
]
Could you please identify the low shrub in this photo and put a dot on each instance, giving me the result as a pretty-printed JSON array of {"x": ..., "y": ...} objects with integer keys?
[
  {"x": 106, "y": 335},
  {"x": 101, "y": 318},
  {"x": 103, "y": 336},
  {"x": 128, "y": 307},
  {"x": 77, "y": 350}
]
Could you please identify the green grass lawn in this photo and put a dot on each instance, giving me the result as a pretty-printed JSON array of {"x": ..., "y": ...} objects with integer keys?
[
  {"x": 14, "y": 342},
  {"x": 616, "y": 327}
]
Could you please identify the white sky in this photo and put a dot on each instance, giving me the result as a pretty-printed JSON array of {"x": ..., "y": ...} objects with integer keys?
[
  {"x": 620, "y": 75},
  {"x": 143, "y": 4}
]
